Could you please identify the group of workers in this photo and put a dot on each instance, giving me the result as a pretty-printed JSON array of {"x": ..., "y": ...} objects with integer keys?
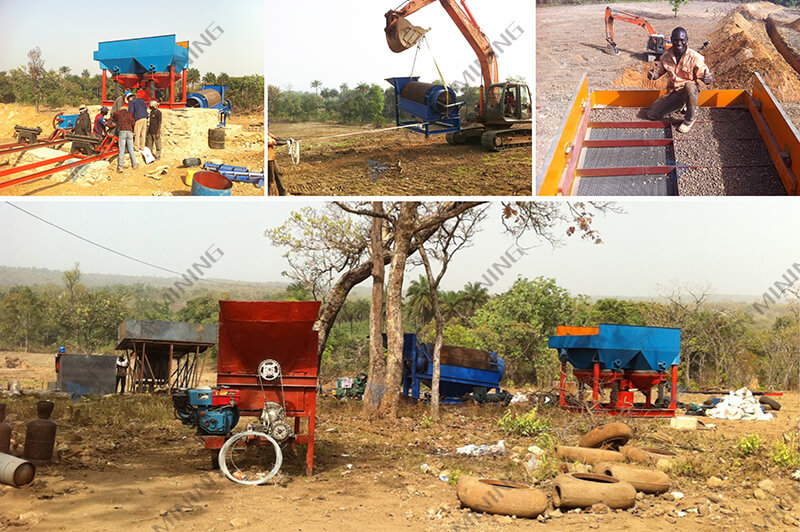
[{"x": 129, "y": 120}]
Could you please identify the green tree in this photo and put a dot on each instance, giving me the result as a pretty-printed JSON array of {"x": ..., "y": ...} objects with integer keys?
[
  {"x": 316, "y": 84},
  {"x": 418, "y": 301},
  {"x": 210, "y": 78},
  {"x": 192, "y": 77},
  {"x": 676, "y": 5},
  {"x": 35, "y": 71},
  {"x": 518, "y": 323},
  {"x": 474, "y": 296},
  {"x": 22, "y": 313},
  {"x": 203, "y": 309}
]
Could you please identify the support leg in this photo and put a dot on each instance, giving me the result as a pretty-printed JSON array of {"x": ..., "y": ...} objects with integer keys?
[
  {"x": 674, "y": 402},
  {"x": 596, "y": 384},
  {"x": 562, "y": 393}
]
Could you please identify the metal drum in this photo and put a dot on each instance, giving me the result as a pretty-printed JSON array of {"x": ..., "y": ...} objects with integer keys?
[
  {"x": 5, "y": 430},
  {"x": 211, "y": 184},
  {"x": 40, "y": 437}
]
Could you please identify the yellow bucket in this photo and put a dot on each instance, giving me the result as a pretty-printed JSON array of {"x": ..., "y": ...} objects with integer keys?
[{"x": 190, "y": 175}]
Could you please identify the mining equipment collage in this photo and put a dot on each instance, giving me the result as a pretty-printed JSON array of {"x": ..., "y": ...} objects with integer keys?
[{"x": 430, "y": 265}]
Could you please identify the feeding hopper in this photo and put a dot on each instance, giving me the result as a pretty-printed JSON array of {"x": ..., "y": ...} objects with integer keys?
[
  {"x": 620, "y": 347},
  {"x": 143, "y": 55},
  {"x": 253, "y": 331}
]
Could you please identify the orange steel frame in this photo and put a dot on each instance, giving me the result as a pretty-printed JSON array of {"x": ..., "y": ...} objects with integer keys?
[{"x": 557, "y": 176}]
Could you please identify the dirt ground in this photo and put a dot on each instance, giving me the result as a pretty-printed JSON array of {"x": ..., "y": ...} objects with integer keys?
[
  {"x": 123, "y": 463},
  {"x": 568, "y": 46},
  {"x": 246, "y": 149},
  {"x": 416, "y": 166}
]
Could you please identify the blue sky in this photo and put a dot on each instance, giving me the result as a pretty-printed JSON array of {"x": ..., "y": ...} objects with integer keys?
[
  {"x": 738, "y": 246},
  {"x": 68, "y": 32},
  {"x": 344, "y": 42}
]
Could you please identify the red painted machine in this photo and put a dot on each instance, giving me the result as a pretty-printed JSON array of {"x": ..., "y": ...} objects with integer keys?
[
  {"x": 268, "y": 354},
  {"x": 624, "y": 359}
]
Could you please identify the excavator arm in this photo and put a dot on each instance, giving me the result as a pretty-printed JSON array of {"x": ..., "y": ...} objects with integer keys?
[
  {"x": 401, "y": 35},
  {"x": 615, "y": 14}
]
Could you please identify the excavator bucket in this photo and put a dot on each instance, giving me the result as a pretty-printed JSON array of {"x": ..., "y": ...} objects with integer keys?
[{"x": 402, "y": 35}]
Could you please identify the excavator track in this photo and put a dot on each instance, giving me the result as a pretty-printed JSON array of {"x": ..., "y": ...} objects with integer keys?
[{"x": 504, "y": 139}]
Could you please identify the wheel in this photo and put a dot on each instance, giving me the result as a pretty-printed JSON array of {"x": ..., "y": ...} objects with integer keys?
[
  {"x": 500, "y": 497},
  {"x": 491, "y": 140},
  {"x": 770, "y": 402},
  {"x": 587, "y": 455},
  {"x": 191, "y": 161},
  {"x": 455, "y": 138},
  {"x": 612, "y": 435},
  {"x": 641, "y": 478},
  {"x": 228, "y": 454},
  {"x": 579, "y": 490}
]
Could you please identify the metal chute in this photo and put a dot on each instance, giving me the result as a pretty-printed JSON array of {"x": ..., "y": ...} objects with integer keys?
[{"x": 401, "y": 34}]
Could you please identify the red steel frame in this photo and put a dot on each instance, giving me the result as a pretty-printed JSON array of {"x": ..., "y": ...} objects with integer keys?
[
  {"x": 108, "y": 148},
  {"x": 597, "y": 382},
  {"x": 161, "y": 80},
  {"x": 251, "y": 331}
]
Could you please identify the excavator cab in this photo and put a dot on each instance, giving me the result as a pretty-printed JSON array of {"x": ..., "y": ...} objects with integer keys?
[{"x": 508, "y": 103}]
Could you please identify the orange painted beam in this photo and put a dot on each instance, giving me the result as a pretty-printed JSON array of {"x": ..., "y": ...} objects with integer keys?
[
  {"x": 568, "y": 330},
  {"x": 782, "y": 131},
  {"x": 561, "y": 150},
  {"x": 639, "y": 98}
]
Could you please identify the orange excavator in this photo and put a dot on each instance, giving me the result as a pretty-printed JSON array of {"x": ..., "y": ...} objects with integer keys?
[
  {"x": 505, "y": 108},
  {"x": 657, "y": 44}
]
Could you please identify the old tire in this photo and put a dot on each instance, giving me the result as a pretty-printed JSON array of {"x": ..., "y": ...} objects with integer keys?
[
  {"x": 641, "y": 478},
  {"x": 216, "y": 138},
  {"x": 501, "y": 497},
  {"x": 580, "y": 490},
  {"x": 647, "y": 455},
  {"x": 192, "y": 161},
  {"x": 587, "y": 455},
  {"x": 770, "y": 402},
  {"x": 610, "y": 435}
]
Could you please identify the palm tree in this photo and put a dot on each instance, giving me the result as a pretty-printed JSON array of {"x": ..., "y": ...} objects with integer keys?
[
  {"x": 452, "y": 304},
  {"x": 474, "y": 296},
  {"x": 64, "y": 70},
  {"x": 192, "y": 77},
  {"x": 316, "y": 84},
  {"x": 418, "y": 301}
]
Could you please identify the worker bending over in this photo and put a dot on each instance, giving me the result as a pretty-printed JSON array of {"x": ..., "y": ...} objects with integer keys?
[{"x": 685, "y": 68}]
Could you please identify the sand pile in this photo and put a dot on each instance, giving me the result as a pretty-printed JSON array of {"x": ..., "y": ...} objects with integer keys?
[{"x": 739, "y": 47}]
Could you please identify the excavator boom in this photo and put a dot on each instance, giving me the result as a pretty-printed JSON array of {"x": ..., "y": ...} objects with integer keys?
[
  {"x": 401, "y": 35},
  {"x": 656, "y": 43}
]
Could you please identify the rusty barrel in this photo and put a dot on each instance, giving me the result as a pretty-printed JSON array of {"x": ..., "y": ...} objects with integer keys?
[
  {"x": 40, "y": 437},
  {"x": 416, "y": 91},
  {"x": 5, "y": 430}
]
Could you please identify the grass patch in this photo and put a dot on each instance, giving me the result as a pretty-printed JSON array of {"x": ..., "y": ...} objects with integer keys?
[
  {"x": 750, "y": 444},
  {"x": 528, "y": 424},
  {"x": 786, "y": 454}
]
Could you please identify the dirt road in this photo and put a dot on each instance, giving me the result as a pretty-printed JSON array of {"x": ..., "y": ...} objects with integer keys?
[
  {"x": 126, "y": 464},
  {"x": 415, "y": 166}
]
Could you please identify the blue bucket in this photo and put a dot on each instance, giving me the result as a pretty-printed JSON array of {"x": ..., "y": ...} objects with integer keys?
[{"x": 211, "y": 184}]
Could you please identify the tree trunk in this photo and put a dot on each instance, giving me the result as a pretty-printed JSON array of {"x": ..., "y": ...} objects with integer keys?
[
  {"x": 404, "y": 230},
  {"x": 377, "y": 363},
  {"x": 437, "y": 345}
]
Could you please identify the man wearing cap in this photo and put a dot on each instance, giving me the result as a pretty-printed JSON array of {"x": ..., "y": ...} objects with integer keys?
[
  {"x": 100, "y": 121},
  {"x": 123, "y": 120},
  {"x": 685, "y": 68},
  {"x": 138, "y": 109},
  {"x": 83, "y": 125},
  {"x": 61, "y": 352},
  {"x": 154, "y": 130}
]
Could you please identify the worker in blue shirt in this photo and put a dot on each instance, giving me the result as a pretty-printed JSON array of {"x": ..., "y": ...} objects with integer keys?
[{"x": 138, "y": 108}]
